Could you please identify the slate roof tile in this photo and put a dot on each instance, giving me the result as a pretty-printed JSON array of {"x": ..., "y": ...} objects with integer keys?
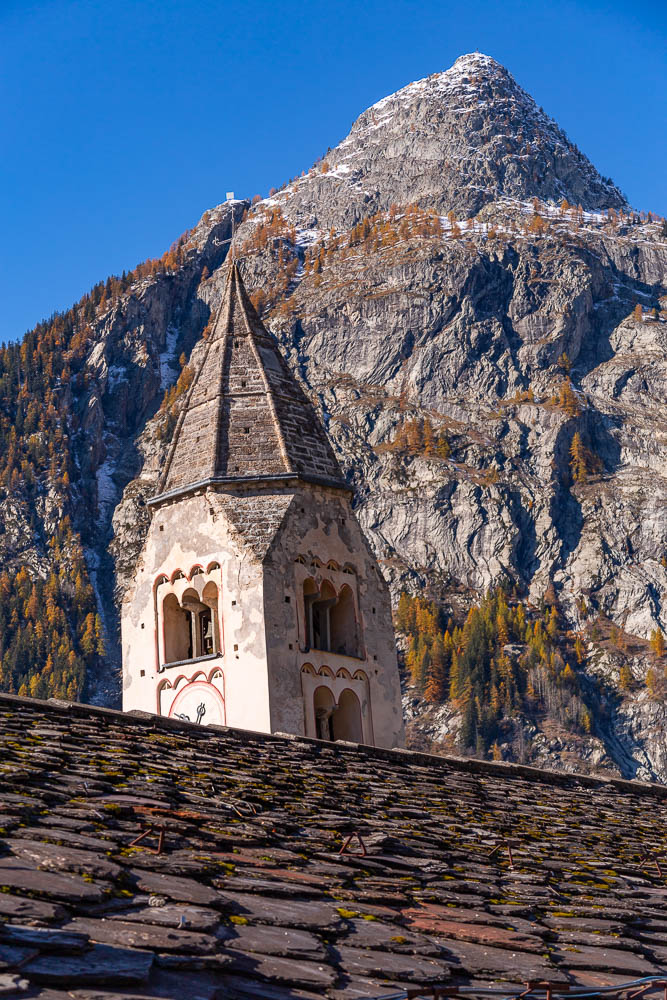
[
  {"x": 101, "y": 964},
  {"x": 258, "y": 902}
]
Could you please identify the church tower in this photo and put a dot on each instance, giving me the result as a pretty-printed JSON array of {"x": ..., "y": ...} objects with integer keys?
[{"x": 258, "y": 602}]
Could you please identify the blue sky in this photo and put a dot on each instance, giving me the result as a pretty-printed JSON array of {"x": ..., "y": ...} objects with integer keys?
[{"x": 123, "y": 121}]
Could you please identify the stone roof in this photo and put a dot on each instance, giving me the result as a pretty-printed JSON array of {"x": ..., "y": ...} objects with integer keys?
[
  {"x": 245, "y": 417},
  {"x": 475, "y": 873},
  {"x": 255, "y": 520}
]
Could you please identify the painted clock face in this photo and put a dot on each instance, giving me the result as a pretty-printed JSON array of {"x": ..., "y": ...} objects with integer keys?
[{"x": 199, "y": 702}]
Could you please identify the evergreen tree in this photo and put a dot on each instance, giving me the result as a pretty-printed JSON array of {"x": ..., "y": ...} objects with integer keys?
[
  {"x": 567, "y": 399},
  {"x": 434, "y": 689},
  {"x": 429, "y": 438},
  {"x": 578, "y": 459},
  {"x": 443, "y": 448}
]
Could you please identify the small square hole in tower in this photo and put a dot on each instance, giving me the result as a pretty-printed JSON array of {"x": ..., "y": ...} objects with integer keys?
[{"x": 246, "y": 430}]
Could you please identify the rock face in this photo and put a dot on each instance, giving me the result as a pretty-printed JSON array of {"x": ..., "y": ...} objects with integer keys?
[
  {"x": 431, "y": 271},
  {"x": 453, "y": 141}
]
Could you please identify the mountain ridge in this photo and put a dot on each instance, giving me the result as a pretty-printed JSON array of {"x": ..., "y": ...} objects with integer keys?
[
  {"x": 472, "y": 135},
  {"x": 409, "y": 303}
]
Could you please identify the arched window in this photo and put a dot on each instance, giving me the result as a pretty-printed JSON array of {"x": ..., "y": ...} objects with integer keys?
[
  {"x": 177, "y": 623},
  {"x": 343, "y": 624},
  {"x": 320, "y": 611},
  {"x": 209, "y": 624},
  {"x": 191, "y": 625},
  {"x": 346, "y": 718},
  {"x": 331, "y": 622},
  {"x": 324, "y": 707},
  {"x": 318, "y": 607}
]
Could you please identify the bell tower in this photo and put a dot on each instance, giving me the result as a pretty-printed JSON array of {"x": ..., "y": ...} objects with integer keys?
[{"x": 258, "y": 602}]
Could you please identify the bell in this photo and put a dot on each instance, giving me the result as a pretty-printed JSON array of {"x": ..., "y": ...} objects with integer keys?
[{"x": 208, "y": 634}]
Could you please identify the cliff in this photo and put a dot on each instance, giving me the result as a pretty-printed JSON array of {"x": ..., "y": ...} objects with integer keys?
[{"x": 455, "y": 266}]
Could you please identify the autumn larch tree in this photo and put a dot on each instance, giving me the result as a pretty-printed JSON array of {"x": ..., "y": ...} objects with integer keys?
[
  {"x": 658, "y": 642},
  {"x": 578, "y": 459}
]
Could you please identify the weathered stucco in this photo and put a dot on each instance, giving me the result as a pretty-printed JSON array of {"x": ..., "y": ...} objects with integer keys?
[
  {"x": 267, "y": 544},
  {"x": 320, "y": 528},
  {"x": 182, "y": 535}
]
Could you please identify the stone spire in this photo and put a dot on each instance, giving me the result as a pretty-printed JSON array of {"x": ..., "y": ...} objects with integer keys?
[{"x": 245, "y": 417}]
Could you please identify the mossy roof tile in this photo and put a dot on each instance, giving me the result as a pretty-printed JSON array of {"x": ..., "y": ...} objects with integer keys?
[{"x": 469, "y": 875}]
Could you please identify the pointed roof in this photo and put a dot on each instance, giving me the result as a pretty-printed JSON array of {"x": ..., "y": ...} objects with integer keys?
[{"x": 245, "y": 417}]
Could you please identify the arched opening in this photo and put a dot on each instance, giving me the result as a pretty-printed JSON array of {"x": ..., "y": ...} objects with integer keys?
[
  {"x": 177, "y": 623},
  {"x": 201, "y": 615},
  {"x": 209, "y": 625},
  {"x": 191, "y": 626},
  {"x": 324, "y": 706},
  {"x": 310, "y": 593},
  {"x": 346, "y": 719},
  {"x": 319, "y": 616},
  {"x": 343, "y": 624}
]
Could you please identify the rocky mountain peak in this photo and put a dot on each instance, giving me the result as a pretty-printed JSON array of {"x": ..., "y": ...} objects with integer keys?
[
  {"x": 455, "y": 140},
  {"x": 478, "y": 62},
  {"x": 493, "y": 386}
]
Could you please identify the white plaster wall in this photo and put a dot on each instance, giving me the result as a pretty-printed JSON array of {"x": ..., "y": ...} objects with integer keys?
[
  {"x": 194, "y": 531},
  {"x": 320, "y": 525},
  {"x": 261, "y": 605}
]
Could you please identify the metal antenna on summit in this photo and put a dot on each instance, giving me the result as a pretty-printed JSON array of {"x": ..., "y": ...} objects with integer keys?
[{"x": 230, "y": 197}]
